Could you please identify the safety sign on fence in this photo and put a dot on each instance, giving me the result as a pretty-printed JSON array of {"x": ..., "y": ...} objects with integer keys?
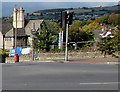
[{"x": 19, "y": 51}]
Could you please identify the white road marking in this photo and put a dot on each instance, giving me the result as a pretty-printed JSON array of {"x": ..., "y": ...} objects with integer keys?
[{"x": 99, "y": 83}]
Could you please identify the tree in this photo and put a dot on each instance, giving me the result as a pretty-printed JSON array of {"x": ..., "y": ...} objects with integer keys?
[
  {"x": 114, "y": 19},
  {"x": 110, "y": 45},
  {"x": 76, "y": 33},
  {"x": 104, "y": 20},
  {"x": 46, "y": 37},
  {"x": 77, "y": 24},
  {"x": 90, "y": 28},
  {"x": 80, "y": 23}
]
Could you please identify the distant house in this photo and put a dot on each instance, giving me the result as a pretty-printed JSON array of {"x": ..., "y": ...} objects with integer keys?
[
  {"x": 36, "y": 13},
  {"x": 6, "y": 26},
  {"x": 104, "y": 32},
  {"x": 23, "y": 28},
  {"x": 1, "y": 40}
]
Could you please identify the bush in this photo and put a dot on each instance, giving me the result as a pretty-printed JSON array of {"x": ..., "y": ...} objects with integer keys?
[
  {"x": 57, "y": 50},
  {"x": 4, "y": 52},
  {"x": 3, "y": 55},
  {"x": 110, "y": 45}
]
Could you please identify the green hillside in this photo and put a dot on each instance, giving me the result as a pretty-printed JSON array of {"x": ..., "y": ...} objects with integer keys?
[{"x": 81, "y": 14}]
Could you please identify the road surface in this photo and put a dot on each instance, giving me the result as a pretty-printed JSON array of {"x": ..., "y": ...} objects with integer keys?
[{"x": 59, "y": 76}]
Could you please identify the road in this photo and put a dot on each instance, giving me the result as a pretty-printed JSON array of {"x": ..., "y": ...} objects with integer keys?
[{"x": 59, "y": 76}]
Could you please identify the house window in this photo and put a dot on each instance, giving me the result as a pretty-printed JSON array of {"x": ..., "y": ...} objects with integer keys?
[
  {"x": 8, "y": 39},
  {"x": 5, "y": 39}
]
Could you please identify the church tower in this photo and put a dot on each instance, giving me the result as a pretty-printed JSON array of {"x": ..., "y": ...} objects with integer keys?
[{"x": 18, "y": 18}]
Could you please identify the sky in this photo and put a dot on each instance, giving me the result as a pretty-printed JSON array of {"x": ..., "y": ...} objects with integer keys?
[{"x": 31, "y": 6}]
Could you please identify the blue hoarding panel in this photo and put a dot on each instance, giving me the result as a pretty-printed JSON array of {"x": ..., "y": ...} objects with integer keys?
[
  {"x": 12, "y": 52},
  {"x": 18, "y": 51}
]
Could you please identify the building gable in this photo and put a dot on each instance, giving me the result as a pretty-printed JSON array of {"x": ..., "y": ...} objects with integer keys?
[
  {"x": 32, "y": 25},
  {"x": 6, "y": 26}
]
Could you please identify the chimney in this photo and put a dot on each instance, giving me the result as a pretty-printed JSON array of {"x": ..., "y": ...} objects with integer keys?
[{"x": 18, "y": 16}]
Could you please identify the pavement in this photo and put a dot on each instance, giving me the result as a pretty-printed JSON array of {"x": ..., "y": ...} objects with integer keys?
[
  {"x": 91, "y": 61},
  {"x": 97, "y": 61},
  {"x": 108, "y": 60}
]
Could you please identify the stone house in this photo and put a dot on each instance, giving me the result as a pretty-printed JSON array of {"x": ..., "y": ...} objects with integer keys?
[
  {"x": 1, "y": 39},
  {"x": 19, "y": 27}
]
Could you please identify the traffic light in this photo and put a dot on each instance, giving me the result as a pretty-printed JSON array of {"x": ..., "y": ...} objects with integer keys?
[
  {"x": 66, "y": 18},
  {"x": 70, "y": 18},
  {"x": 63, "y": 19}
]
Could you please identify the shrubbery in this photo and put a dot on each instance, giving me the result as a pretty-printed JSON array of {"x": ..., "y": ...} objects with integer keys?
[
  {"x": 4, "y": 52},
  {"x": 110, "y": 45},
  {"x": 81, "y": 31},
  {"x": 3, "y": 55}
]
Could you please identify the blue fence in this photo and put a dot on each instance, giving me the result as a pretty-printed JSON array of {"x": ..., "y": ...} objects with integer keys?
[{"x": 17, "y": 50}]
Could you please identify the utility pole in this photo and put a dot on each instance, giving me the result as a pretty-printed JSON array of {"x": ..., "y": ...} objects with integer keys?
[
  {"x": 32, "y": 41},
  {"x": 32, "y": 49},
  {"x": 16, "y": 29}
]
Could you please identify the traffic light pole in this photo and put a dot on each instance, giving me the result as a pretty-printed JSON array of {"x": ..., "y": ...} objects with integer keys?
[
  {"x": 66, "y": 21},
  {"x": 66, "y": 49}
]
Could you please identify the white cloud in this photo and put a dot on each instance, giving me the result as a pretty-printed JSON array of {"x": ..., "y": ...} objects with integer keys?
[{"x": 60, "y": 1}]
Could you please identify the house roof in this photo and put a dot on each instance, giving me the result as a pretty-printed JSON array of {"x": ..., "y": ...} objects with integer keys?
[
  {"x": 6, "y": 26},
  {"x": 20, "y": 32},
  {"x": 8, "y": 30},
  {"x": 31, "y": 25},
  {"x": 97, "y": 33}
]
